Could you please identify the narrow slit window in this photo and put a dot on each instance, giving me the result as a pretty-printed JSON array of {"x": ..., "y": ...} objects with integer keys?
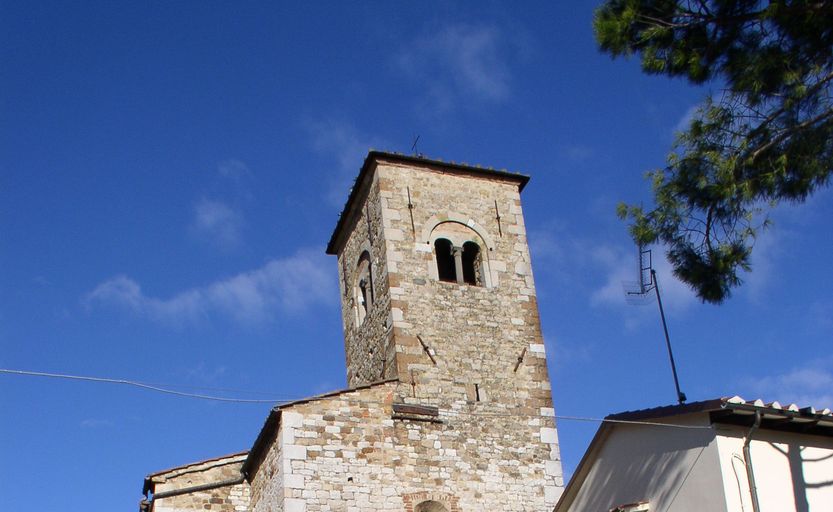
[{"x": 445, "y": 260}]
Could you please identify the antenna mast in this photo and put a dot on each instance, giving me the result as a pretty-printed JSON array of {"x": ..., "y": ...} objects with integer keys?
[
  {"x": 646, "y": 270},
  {"x": 415, "y": 149}
]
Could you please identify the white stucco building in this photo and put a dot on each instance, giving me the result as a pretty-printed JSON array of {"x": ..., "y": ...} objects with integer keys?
[{"x": 707, "y": 456}]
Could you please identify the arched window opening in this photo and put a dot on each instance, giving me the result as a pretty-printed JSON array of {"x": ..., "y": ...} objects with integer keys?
[
  {"x": 446, "y": 267},
  {"x": 430, "y": 506},
  {"x": 363, "y": 298},
  {"x": 363, "y": 288},
  {"x": 461, "y": 265},
  {"x": 471, "y": 263}
]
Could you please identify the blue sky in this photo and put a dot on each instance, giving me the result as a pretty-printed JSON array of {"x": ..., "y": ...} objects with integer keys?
[{"x": 160, "y": 162}]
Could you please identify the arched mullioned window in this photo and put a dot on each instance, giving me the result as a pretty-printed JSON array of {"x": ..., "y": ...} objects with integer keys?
[
  {"x": 430, "y": 506},
  {"x": 363, "y": 288},
  {"x": 461, "y": 265},
  {"x": 446, "y": 267},
  {"x": 461, "y": 253}
]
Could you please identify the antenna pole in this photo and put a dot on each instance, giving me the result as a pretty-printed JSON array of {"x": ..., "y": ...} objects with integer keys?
[
  {"x": 414, "y": 147},
  {"x": 681, "y": 398}
]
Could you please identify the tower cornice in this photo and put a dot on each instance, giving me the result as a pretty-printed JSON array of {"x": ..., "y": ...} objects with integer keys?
[{"x": 363, "y": 180}]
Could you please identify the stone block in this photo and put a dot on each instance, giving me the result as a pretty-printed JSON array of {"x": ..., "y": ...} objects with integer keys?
[
  {"x": 549, "y": 435},
  {"x": 294, "y": 452},
  {"x": 294, "y": 505}
]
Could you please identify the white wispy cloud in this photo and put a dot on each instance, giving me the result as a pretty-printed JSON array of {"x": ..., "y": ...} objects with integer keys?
[
  {"x": 621, "y": 269},
  {"x": 217, "y": 222},
  {"x": 820, "y": 315},
  {"x": 203, "y": 374},
  {"x": 603, "y": 272},
  {"x": 562, "y": 354},
  {"x": 806, "y": 386},
  {"x": 343, "y": 144},
  {"x": 764, "y": 261},
  {"x": 281, "y": 286},
  {"x": 577, "y": 153},
  {"x": 341, "y": 141},
  {"x": 233, "y": 169},
  {"x": 774, "y": 255},
  {"x": 459, "y": 62},
  {"x": 686, "y": 119},
  {"x": 234, "y": 180},
  {"x": 218, "y": 217}
]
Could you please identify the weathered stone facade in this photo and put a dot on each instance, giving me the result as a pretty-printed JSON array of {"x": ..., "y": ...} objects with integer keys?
[
  {"x": 368, "y": 347},
  {"x": 449, "y": 406}
]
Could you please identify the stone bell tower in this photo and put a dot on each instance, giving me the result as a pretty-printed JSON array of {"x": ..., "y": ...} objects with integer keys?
[
  {"x": 437, "y": 293},
  {"x": 435, "y": 274},
  {"x": 449, "y": 406}
]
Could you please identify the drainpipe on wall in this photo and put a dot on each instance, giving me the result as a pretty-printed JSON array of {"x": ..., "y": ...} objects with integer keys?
[{"x": 747, "y": 457}]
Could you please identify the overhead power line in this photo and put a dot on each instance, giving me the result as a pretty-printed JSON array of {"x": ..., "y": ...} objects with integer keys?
[
  {"x": 136, "y": 384},
  {"x": 152, "y": 387}
]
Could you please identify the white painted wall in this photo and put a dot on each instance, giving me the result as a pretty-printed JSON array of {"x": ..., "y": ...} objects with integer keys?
[
  {"x": 793, "y": 472},
  {"x": 675, "y": 469}
]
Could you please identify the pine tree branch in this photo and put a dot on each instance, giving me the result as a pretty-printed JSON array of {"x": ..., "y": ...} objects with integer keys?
[{"x": 789, "y": 133}]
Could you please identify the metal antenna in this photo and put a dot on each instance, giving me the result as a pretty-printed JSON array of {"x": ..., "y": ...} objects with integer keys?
[
  {"x": 415, "y": 149},
  {"x": 647, "y": 282}
]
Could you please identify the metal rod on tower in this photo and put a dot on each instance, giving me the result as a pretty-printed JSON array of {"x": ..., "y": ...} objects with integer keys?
[
  {"x": 681, "y": 398},
  {"x": 415, "y": 149},
  {"x": 411, "y": 212}
]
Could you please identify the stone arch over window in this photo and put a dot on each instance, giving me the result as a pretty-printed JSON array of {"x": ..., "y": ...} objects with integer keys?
[
  {"x": 461, "y": 255},
  {"x": 430, "y": 506},
  {"x": 363, "y": 288},
  {"x": 430, "y": 502},
  {"x": 435, "y": 220}
]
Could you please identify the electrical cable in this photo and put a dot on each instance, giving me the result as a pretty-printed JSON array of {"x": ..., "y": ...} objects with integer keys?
[
  {"x": 132, "y": 383},
  {"x": 277, "y": 403}
]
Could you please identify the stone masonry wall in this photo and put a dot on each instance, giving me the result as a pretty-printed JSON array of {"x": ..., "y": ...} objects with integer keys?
[
  {"x": 332, "y": 454},
  {"x": 350, "y": 454},
  {"x": 224, "y": 499},
  {"x": 368, "y": 348},
  {"x": 269, "y": 477},
  {"x": 476, "y": 334}
]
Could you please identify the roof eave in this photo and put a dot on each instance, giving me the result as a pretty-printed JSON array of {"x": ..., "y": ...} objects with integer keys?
[
  {"x": 149, "y": 481},
  {"x": 668, "y": 410},
  {"x": 270, "y": 428}
]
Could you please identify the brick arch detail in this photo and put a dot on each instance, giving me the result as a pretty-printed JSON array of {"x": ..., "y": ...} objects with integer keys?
[{"x": 410, "y": 501}]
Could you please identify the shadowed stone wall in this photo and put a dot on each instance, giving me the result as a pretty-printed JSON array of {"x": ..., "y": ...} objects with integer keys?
[{"x": 228, "y": 498}]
